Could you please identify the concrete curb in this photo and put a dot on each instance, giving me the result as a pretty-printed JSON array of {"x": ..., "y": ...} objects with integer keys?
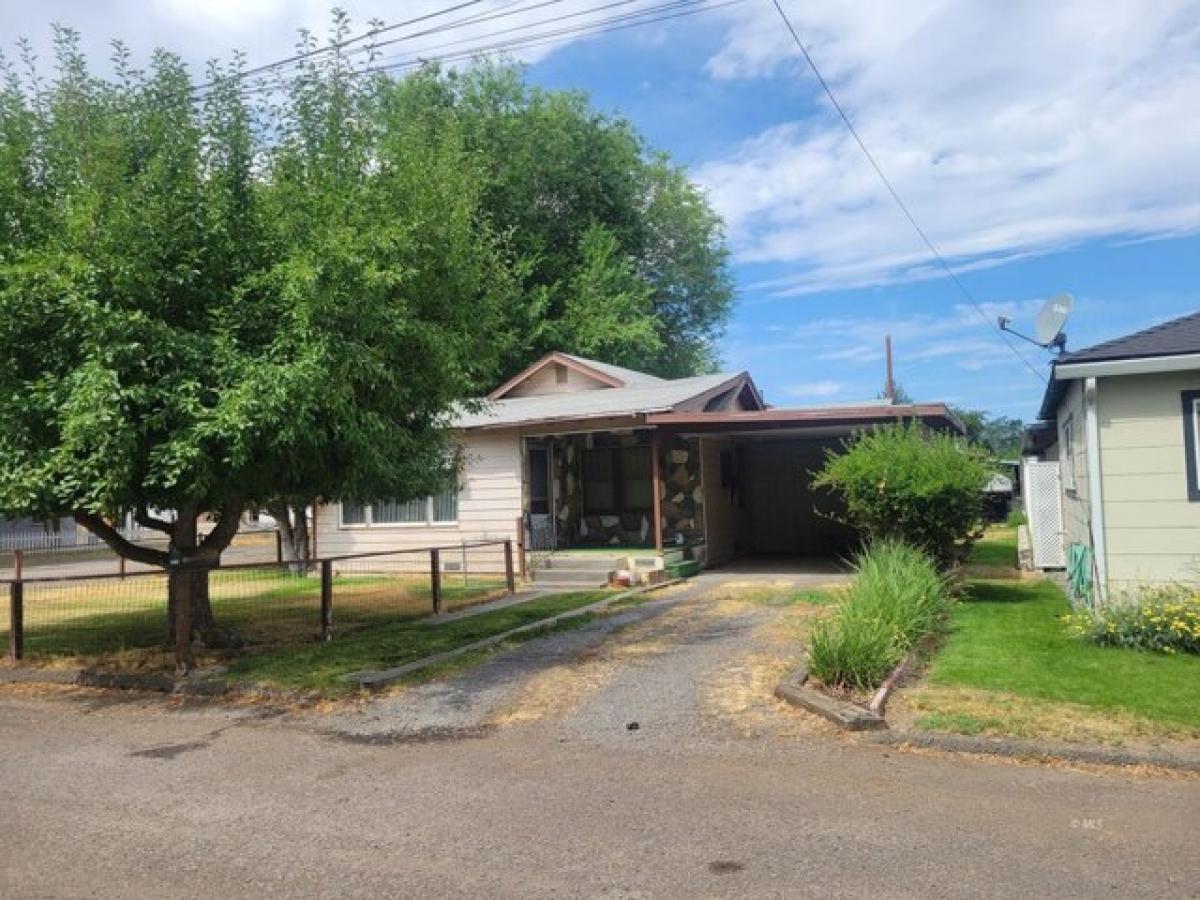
[
  {"x": 1037, "y": 751},
  {"x": 842, "y": 713},
  {"x": 372, "y": 681}
]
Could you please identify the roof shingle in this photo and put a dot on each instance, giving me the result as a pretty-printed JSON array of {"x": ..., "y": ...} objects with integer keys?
[{"x": 1180, "y": 335}]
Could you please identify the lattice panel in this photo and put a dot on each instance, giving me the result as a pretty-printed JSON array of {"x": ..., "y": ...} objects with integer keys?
[{"x": 1043, "y": 508}]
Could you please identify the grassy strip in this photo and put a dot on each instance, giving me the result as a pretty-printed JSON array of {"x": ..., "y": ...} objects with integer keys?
[
  {"x": 320, "y": 667},
  {"x": 1009, "y": 639},
  {"x": 997, "y": 548}
]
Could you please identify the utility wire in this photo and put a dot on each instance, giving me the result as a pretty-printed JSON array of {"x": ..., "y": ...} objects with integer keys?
[
  {"x": 899, "y": 201},
  {"x": 318, "y": 51},
  {"x": 649, "y": 15}
]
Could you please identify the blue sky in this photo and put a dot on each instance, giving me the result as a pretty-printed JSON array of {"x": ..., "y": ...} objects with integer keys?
[{"x": 1043, "y": 147}]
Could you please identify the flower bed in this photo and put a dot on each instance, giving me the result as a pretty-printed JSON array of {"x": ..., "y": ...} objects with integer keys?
[{"x": 1166, "y": 620}]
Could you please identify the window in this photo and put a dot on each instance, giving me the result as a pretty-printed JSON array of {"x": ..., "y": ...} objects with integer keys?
[
  {"x": 1068, "y": 454},
  {"x": 1191, "y": 442},
  {"x": 617, "y": 480},
  {"x": 440, "y": 509}
]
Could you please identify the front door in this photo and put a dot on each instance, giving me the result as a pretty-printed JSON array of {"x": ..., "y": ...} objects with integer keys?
[{"x": 541, "y": 501}]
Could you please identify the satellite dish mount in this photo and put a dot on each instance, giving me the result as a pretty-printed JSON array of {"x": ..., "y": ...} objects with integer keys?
[{"x": 1048, "y": 327}]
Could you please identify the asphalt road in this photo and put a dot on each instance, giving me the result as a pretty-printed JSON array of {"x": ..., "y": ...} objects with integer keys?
[{"x": 547, "y": 793}]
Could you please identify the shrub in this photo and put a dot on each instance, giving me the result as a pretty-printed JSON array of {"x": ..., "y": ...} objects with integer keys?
[
  {"x": 1166, "y": 620},
  {"x": 897, "y": 597},
  {"x": 904, "y": 482},
  {"x": 1016, "y": 518}
]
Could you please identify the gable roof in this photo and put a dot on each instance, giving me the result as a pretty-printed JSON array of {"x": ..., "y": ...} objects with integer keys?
[
  {"x": 654, "y": 395},
  {"x": 1180, "y": 335},
  {"x": 1128, "y": 354},
  {"x": 605, "y": 373}
]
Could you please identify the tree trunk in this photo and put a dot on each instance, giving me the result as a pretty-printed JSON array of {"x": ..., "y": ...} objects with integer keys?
[{"x": 292, "y": 522}]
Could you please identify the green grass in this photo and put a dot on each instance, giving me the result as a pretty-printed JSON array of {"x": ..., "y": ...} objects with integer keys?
[
  {"x": 1009, "y": 637},
  {"x": 320, "y": 667},
  {"x": 998, "y": 547}
]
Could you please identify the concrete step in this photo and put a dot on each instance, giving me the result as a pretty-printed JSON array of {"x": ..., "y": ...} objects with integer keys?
[
  {"x": 571, "y": 576},
  {"x": 541, "y": 585},
  {"x": 581, "y": 562}
]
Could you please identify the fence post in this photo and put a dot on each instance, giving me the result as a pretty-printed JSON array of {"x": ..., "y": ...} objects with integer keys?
[
  {"x": 521, "y": 545},
  {"x": 121, "y": 566},
  {"x": 16, "y": 620},
  {"x": 18, "y": 563},
  {"x": 466, "y": 582},
  {"x": 509, "y": 580},
  {"x": 435, "y": 579},
  {"x": 278, "y": 546},
  {"x": 327, "y": 599}
]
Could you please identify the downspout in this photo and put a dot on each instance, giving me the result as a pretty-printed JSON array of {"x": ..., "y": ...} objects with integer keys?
[{"x": 1095, "y": 491}]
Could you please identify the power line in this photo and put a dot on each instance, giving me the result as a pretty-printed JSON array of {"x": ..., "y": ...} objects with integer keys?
[
  {"x": 318, "y": 51},
  {"x": 899, "y": 201},
  {"x": 650, "y": 15}
]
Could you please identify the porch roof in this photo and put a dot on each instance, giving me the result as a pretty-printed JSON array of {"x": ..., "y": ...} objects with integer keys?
[{"x": 936, "y": 415}]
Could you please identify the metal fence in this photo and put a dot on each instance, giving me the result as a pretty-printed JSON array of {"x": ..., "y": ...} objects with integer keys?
[{"x": 257, "y": 603}]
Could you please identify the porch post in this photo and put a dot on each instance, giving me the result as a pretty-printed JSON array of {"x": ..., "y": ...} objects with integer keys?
[{"x": 656, "y": 486}]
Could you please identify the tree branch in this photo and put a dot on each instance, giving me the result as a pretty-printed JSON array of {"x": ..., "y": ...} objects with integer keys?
[
  {"x": 142, "y": 517},
  {"x": 227, "y": 525},
  {"x": 118, "y": 542}
]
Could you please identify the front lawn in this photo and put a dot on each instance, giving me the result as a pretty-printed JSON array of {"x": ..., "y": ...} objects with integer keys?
[
  {"x": 89, "y": 619},
  {"x": 321, "y": 666},
  {"x": 1009, "y": 667}
]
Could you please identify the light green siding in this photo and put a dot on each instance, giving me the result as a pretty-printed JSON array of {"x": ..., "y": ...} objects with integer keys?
[{"x": 1152, "y": 529}]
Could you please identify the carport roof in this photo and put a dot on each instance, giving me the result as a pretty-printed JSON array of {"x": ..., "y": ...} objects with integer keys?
[{"x": 936, "y": 415}]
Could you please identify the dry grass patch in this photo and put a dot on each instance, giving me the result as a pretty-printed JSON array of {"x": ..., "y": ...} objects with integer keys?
[{"x": 995, "y": 713}]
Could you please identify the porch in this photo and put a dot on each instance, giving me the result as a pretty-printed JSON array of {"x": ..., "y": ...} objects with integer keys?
[{"x": 670, "y": 494}]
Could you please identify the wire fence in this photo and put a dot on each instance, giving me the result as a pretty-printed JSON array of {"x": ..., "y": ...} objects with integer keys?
[{"x": 253, "y": 604}]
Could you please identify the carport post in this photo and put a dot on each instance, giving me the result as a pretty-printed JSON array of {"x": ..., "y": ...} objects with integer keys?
[
  {"x": 16, "y": 620},
  {"x": 656, "y": 487}
]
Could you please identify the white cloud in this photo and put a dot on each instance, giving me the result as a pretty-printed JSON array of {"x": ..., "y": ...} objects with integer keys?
[
  {"x": 814, "y": 389},
  {"x": 1009, "y": 129}
]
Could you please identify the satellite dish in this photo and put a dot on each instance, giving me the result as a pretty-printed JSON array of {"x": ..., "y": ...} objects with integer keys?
[
  {"x": 1049, "y": 323},
  {"x": 1050, "y": 320}
]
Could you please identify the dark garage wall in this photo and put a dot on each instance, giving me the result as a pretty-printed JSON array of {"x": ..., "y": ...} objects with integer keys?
[{"x": 780, "y": 500}]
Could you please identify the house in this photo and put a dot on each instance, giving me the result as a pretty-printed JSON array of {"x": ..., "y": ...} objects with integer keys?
[
  {"x": 573, "y": 453},
  {"x": 1120, "y": 421}
]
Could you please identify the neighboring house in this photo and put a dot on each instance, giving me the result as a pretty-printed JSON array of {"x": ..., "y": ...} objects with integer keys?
[
  {"x": 574, "y": 453},
  {"x": 27, "y": 534},
  {"x": 1122, "y": 421}
]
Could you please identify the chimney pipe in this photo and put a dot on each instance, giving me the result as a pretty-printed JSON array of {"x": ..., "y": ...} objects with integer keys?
[{"x": 889, "y": 385}]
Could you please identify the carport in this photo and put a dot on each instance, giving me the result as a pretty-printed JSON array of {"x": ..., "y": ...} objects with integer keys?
[{"x": 760, "y": 508}]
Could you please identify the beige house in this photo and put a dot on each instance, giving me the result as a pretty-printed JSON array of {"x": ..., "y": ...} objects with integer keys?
[
  {"x": 1122, "y": 420},
  {"x": 573, "y": 454}
]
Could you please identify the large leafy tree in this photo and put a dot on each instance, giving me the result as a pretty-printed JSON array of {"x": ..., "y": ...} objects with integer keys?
[
  {"x": 206, "y": 306},
  {"x": 584, "y": 202}
]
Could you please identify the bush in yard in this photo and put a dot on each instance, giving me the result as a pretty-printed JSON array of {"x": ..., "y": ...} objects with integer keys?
[
  {"x": 1165, "y": 619},
  {"x": 898, "y": 596},
  {"x": 907, "y": 483}
]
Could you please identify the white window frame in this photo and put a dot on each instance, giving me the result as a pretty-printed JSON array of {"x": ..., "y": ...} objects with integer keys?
[
  {"x": 1068, "y": 455},
  {"x": 369, "y": 523}
]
